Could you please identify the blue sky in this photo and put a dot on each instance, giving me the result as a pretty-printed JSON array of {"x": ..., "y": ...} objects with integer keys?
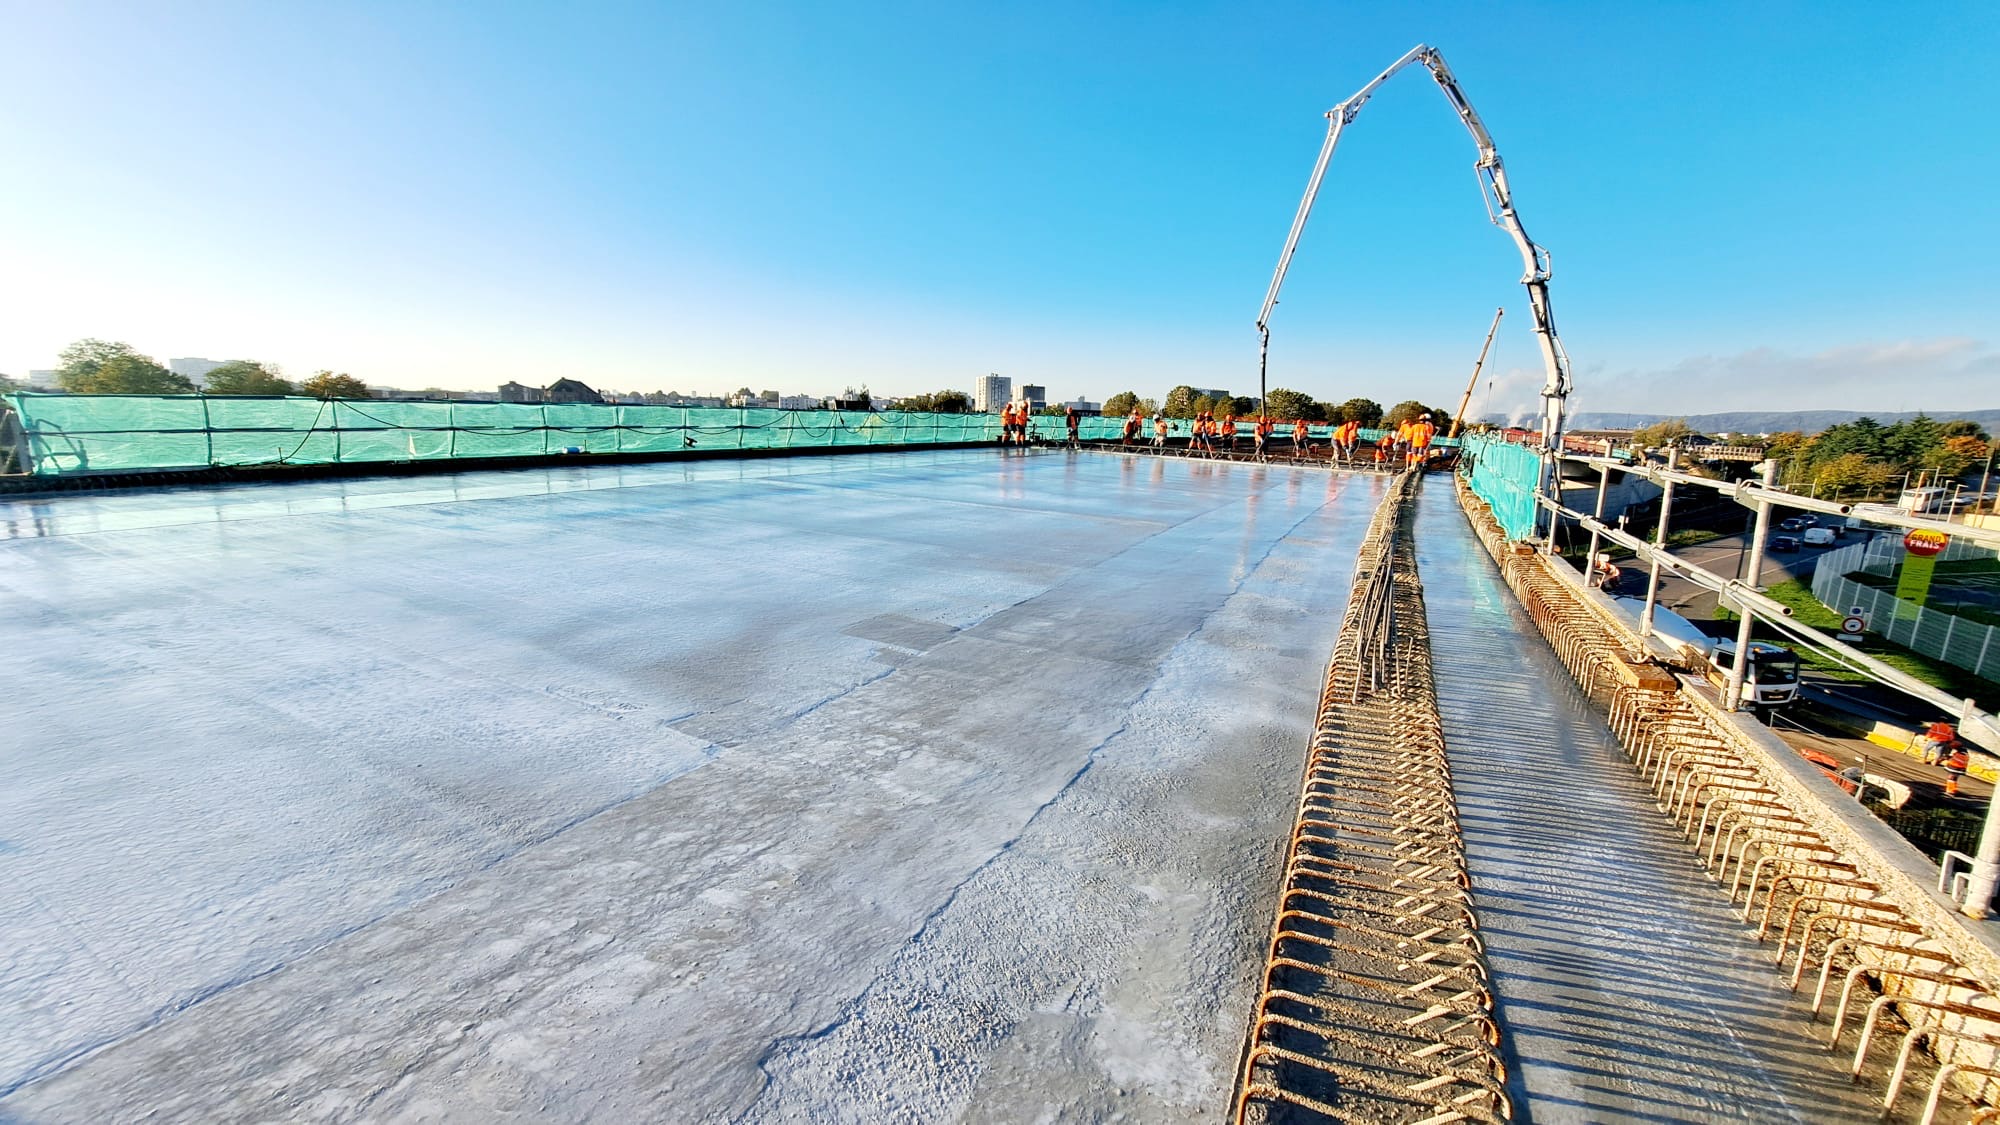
[{"x": 1749, "y": 206}]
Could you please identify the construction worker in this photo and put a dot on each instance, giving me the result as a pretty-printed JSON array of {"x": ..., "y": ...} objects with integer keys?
[
  {"x": 1955, "y": 764},
  {"x": 1006, "y": 423},
  {"x": 1938, "y": 738},
  {"x": 1069, "y": 422},
  {"x": 1343, "y": 440},
  {"x": 1421, "y": 432},
  {"x": 1159, "y": 431},
  {"x": 1262, "y": 431},
  {"x": 1229, "y": 431},
  {"x": 1132, "y": 425},
  {"x": 1300, "y": 435}
]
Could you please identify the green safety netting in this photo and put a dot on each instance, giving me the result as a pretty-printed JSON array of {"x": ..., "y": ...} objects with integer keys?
[
  {"x": 1505, "y": 475},
  {"x": 67, "y": 435},
  {"x": 72, "y": 435}
]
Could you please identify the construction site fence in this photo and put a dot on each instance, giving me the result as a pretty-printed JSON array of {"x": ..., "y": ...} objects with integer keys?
[
  {"x": 1505, "y": 475},
  {"x": 79, "y": 435},
  {"x": 1947, "y": 637}
]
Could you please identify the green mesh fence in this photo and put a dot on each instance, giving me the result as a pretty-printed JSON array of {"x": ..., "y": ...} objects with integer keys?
[
  {"x": 74, "y": 435},
  {"x": 1505, "y": 475},
  {"x": 68, "y": 435}
]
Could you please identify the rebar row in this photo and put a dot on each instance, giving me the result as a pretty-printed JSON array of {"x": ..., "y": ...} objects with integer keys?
[
  {"x": 1375, "y": 1004},
  {"x": 1755, "y": 837}
]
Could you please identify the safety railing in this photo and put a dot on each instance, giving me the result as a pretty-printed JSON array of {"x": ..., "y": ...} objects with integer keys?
[{"x": 1804, "y": 876}]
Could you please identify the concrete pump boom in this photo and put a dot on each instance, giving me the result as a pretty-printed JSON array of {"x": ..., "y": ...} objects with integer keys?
[{"x": 1499, "y": 208}]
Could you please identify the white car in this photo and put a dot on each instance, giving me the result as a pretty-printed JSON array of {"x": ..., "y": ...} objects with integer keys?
[{"x": 1818, "y": 537}]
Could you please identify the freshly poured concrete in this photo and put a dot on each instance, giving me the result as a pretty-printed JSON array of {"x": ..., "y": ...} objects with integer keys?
[
  {"x": 887, "y": 787},
  {"x": 1628, "y": 989}
]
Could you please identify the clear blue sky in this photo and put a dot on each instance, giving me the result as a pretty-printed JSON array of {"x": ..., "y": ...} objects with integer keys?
[{"x": 1749, "y": 205}]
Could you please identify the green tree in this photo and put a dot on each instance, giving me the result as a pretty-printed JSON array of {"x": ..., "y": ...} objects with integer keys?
[
  {"x": 1852, "y": 472},
  {"x": 1180, "y": 402},
  {"x": 1124, "y": 402},
  {"x": 325, "y": 384},
  {"x": 128, "y": 375},
  {"x": 1204, "y": 404},
  {"x": 1954, "y": 455},
  {"x": 1909, "y": 442},
  {"x": 1662, "y": 433},
  {"x": 1405, "y": 411},
  {"x": 104, "y": 367},
  {"x": 1366, "y": 411},
  {"x": 1964, "y": 427},
  {"x": 1243, "y": 406},
  {"x": 952, "y": 402},
  {"x": 1285, "y": 403},
  {"x": 1864, "y": 435},
  {"x": 245, "y": 377}
]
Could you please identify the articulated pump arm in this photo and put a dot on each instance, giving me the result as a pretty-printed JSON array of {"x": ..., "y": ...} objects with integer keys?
[{"x": 1499, "y": 206}]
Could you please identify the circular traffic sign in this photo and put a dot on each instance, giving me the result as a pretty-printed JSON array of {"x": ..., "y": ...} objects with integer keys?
[
  {"x": 1852, "y": 625},
  {"x": 1924, "y": 542}
]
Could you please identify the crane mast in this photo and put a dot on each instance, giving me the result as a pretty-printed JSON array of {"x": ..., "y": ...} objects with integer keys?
[
  {"x": 1458, "y": 420},
  {"x": 1499, "y": 199}
]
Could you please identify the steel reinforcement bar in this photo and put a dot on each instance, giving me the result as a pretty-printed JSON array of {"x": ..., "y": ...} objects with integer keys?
[
  {"x": 1375, "y": 1004},
  {"x": 1841, "y": 900}
]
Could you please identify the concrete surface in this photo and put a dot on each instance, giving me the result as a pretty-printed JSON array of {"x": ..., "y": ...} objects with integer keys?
[
  {"x": 906, "y": 787},
  {"x": 1628, "y": 989}
]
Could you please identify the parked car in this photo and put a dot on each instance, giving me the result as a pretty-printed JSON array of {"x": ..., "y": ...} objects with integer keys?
[
  {"x": 1784, "y": 543},
  {"x": 1818, "y": 537}
]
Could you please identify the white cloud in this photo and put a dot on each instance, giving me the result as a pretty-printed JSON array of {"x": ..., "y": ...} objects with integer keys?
[{"x": 1940, "y": 375}]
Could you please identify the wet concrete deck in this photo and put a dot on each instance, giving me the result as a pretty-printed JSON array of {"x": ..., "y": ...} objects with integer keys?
[
  {"x": 1629, "y": 990},
  {"x": 899, "y": 787}
]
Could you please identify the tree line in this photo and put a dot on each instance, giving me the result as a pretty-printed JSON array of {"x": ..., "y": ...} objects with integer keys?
[
  {"x": 1280, "y": 403},
  {"x": 1861, "y": 457},
  {"x": 106, "y": 367}
]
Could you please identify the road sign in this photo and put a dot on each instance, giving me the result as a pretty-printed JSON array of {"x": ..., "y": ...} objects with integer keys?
[{"x": 1852, "y": 625}]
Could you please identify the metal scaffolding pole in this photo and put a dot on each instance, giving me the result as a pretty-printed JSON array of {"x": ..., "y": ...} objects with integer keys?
[
  {"x": 1739, "y": 667},
  {"x": 1660, "y": 542}
]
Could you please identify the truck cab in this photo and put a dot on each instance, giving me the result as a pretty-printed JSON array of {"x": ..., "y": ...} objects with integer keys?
[{"x": 1770, "y": 679}]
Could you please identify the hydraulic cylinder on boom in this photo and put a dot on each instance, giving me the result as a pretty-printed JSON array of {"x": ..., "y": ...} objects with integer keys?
[{"x": 1499, "y": 208}]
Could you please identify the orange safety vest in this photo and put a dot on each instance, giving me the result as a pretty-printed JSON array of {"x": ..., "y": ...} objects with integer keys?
[{"x": 1299, "y": 429}]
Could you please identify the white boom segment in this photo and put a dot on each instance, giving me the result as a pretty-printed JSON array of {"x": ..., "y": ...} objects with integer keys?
[{"x": 1499, "y": 207}]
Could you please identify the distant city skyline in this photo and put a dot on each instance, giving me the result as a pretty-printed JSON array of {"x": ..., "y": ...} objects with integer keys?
[{"x": 1086, "y": 198}]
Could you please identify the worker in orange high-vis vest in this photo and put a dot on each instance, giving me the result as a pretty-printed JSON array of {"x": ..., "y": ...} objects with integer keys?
[
  {"x": 1300, "y": 433},
  {"x": 1006, "y": 423},
  {"x": 1421, "y": 432},
  {"x": 1955, "y": 765},
  {"x": 1228, "y": 431},
  {"x": 1344, "y": 437}
]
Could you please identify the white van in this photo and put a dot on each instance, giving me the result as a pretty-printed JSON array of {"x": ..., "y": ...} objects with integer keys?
[{"x": 1818, "y": 537}]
